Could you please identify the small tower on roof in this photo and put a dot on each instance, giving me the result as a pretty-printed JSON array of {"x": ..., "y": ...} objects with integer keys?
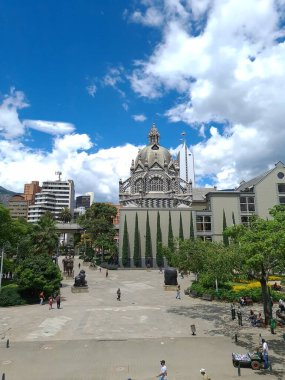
[{"x": 153, "y": 135}]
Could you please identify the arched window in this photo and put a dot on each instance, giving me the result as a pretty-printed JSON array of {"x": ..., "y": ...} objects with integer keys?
[
  {"x": 156, "y": 184},
  {"x": 138, "y": 185}
]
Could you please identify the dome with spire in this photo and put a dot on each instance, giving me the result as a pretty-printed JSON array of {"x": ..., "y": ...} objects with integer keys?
[{"x": 153, "y": 153}]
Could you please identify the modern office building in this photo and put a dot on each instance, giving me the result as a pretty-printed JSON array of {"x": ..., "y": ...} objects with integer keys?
[
  {"x": 18, "y": 206},
  {"x": 155, "y": 193},
  {"x": 83, "y": 201}
]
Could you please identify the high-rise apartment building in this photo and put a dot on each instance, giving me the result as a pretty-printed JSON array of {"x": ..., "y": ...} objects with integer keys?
[
  {"x": 54, "y": 196},
  {"x": 30, "y": 191}
]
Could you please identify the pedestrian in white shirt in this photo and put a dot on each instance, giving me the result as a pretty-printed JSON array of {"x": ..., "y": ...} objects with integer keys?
[{"x": 163, "y": 371}]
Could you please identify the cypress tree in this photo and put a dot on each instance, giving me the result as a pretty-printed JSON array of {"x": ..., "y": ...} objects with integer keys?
[
  {"x": 225, "y": 238},
  {"x": 191, "y": 237},
  {"x": 148, "y": 246},
  {"x": 159, "y": 255},
  {"x": 125, "y": 248},
  {"x": 233, "y": 217},
  {"x": 137, "y": 251},
  {"x": 170, "y": 234},
  {"x": 181, "y": 234}
]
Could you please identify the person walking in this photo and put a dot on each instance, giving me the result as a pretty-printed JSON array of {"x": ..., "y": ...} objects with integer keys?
[
  {"x": 163, "y": 371},
  {"x": 58, "y": 300},
  {"x": 178, "y": 292},
  {"x": 119, "y": 294},
  {"x": 204, "y": 374},
  {"x": 233, "y": 311},
  {"x": 265, "y": 353},
  {"x": 107, "y": 273},
  {"x": 79, "y": 265},
  {"x": 50, "y": 302},
  {"x": 239, "y": 315},
  {"x": 42, "y": 297}
]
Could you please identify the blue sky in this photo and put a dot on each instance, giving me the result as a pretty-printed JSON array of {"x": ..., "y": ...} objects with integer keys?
[{"x": 82, "y": 82}]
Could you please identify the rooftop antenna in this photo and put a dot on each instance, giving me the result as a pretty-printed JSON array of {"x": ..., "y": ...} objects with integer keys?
[{"x": 59, "y": 174}]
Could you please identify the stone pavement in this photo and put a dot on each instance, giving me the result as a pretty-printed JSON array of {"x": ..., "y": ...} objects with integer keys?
[{"x": 94, "y": 336}]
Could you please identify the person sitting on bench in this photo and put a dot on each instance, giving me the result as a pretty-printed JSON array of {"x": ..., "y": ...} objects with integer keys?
[{"x": 252, "y": 318}]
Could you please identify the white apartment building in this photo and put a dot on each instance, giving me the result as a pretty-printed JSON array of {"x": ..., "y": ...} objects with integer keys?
[
  {"x": 44, "y": 202},
  {"x": 54, "y": 196}
]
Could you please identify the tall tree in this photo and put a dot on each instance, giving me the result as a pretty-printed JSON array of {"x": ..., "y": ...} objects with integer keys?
[
  {"x": 261, "y": 247},
  {"x": 137, "y": 251},
  {"x": 98, "y": 223},
  {"x": 65, "y": 215},
  {"x": 126, "y": 246},
  {"x": 181, "y": 234},
  {"x": 225, "y": 236},
  {"x": 170, "y": 234},
  {"x": 148, "y": 244},
  {"x": 45, "y": 236},
  {"x": 233, "y": 218},
  {"x": 191, "y": 236},
  {"x": 159, "y": 253}
]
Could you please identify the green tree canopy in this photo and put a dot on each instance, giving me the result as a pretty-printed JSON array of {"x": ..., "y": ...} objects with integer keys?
[
  {"x": 45, "y": 236},
  {"x": 126, "y": 245},
  {"x": 37, "y": 273},
  {"x": 65, "y": 215},
  {"x": 137, "y": 250},
  {"x": 98, "y": 223},
  {"x": 148, "y": 243},
  {"x": 262, "y": 249},
  {"x": 159, "y": 253}
]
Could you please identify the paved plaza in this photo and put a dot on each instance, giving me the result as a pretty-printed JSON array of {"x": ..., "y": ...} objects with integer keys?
[{"x": 94, "y": 336}]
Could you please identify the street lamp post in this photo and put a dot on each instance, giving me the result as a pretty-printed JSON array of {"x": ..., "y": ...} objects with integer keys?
[{"x": 1, "y": 268}]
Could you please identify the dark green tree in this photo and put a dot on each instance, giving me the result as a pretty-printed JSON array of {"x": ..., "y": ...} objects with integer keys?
[
  {"x": 45, "y": 236},
  {"x": 126, "y": 246},
  {"x": 191, "y": 236},
  {"x": 98, "y": 223},
  {"x": 181, "y": 234},
  {"x": 225, "y": 236},
  {"x": 148, "y": 244},
  {"x": 65, "y": 215},
  {"x": 137, "y": 251},
  {"x": 37, "y": 273},
  {"x": 170, "y": 234},
  {"x": 159, "y": 253},
  {"x": 233, "y": 218},
  {"x": 261, "y": 248}
]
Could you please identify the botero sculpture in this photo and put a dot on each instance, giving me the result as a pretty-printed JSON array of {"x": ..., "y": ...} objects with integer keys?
[
  {"x": 170, "y": 276},
  {"x": 79, "y": 280}
]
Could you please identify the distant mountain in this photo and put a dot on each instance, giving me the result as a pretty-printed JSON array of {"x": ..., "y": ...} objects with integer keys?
[{"x": 5, "y": 195}]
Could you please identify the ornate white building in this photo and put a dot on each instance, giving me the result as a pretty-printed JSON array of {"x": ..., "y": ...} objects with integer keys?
[{"x": 154, "y": 180}]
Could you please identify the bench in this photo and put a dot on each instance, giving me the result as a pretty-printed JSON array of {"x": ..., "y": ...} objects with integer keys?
[
  {"x": 207, "y": 297},
  {"x": 248, "y": 301}
]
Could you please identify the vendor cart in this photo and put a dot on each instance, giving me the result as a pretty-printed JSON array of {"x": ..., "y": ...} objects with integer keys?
[{"x": 249, "y": 360}]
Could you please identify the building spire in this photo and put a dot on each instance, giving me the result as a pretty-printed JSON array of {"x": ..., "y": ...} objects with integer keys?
[{"x": 153, "y": 136}]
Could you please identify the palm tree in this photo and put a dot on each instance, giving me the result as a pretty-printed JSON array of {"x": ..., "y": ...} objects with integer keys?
[
  {"x": 65, "y": 215},
  {"x": 44, "y": 236}
]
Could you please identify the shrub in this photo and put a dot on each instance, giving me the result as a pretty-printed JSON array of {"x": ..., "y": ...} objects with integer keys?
[{"x": 9, "y": 296}]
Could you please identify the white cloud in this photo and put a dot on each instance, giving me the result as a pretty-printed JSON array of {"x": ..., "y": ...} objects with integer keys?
[
  {"x": 151, "y": 17},
  {"x": 52, "y": 127},
  {"x": 225, "y": 61},
  {"x": 10, "y": 124},
  {"x": 139, "y": 117},
  {"x": 99, "y": 172},
  {"x": 91, "y": 89}
]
